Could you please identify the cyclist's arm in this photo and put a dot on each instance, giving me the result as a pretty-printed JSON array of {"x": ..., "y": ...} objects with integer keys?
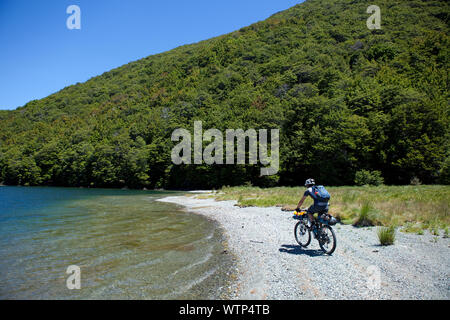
[{"x": 301, "y": 201}]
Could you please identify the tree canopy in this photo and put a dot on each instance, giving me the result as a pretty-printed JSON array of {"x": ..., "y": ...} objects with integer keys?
[{"x": 345, "y": 99}]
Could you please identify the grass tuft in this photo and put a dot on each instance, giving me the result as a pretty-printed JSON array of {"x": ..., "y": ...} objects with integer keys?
[
  {"x": 411, "y": 227},
  {"x": 365, "y": 216},
  {"x": 386, "y": 235}
]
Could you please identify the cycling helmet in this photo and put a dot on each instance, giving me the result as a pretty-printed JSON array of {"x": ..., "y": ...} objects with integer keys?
[{"x": 309, "y": 182}]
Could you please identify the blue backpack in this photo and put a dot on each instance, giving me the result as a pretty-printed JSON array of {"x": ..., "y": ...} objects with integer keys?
[{"x": 321, "y": 194}]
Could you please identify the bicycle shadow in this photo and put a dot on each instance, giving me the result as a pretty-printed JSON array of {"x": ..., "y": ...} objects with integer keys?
[{"x": 296, "y": 249}]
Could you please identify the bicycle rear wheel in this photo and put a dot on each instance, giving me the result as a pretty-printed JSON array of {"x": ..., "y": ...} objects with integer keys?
[
  {"x": 327, "y": 240},
  {"x": 302, "y": 234}
]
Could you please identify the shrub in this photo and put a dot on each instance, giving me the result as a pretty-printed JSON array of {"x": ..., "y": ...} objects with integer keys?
[
  {"x": 386, "y": 235},
  {"x": 415, "y": 181},
  {"x": 366, "y": 177}
]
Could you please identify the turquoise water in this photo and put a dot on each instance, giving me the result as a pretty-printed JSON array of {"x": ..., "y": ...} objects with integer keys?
[{"x": 126, "y": 244}]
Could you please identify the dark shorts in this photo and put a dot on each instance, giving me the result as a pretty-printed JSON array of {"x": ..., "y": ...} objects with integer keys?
[{"x": 318, "y": 209}]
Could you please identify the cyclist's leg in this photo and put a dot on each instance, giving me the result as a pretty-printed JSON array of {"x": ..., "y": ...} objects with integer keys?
[
  {"x": 322, "y": 210},
  {"x": 319, "y": 209},
  {"x": 311, "y": 210}
]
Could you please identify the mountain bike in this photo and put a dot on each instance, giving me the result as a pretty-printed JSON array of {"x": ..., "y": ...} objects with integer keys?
[{"x": 320, "y": 228}]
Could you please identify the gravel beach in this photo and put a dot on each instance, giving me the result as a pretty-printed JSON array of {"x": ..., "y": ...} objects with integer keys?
[{"x": 271, "y": 265}]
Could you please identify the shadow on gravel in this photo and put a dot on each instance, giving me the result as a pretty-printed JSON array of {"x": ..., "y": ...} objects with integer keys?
[{"x": 295, "y": 249}]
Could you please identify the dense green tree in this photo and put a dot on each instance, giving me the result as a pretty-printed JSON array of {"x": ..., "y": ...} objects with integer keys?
[{"x": 345, "y": 98}]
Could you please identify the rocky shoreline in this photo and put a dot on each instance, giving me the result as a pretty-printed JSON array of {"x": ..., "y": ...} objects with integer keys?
[{"x": 271, "y": 265}]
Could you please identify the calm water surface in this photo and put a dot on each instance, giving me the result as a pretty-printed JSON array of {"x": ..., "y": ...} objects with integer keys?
[{"x": 127, "y": 245}]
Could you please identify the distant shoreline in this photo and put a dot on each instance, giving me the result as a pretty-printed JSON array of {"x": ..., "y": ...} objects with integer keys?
[{"x": 109, "y": 188}]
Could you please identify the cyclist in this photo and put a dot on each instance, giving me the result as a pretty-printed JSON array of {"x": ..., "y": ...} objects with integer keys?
[{"x": 320, "y": 204}]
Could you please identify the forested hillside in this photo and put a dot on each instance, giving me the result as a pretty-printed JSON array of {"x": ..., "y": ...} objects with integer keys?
[{"x": 344, "y": 97}]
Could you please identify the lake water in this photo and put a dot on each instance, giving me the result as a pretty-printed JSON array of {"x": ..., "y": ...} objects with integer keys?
[{"x": 126, "y": 244}]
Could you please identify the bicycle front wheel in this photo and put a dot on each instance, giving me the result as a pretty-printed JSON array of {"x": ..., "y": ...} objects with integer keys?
[
  {"x": 327, "y": 240},
  {"x": 302, "y": 234}
]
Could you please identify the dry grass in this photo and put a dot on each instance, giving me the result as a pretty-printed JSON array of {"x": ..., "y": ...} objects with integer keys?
[{"x": 422, "y": 205}]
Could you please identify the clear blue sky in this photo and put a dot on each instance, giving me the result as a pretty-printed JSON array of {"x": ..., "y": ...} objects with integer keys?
[{"x": 39, "y": 55}]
